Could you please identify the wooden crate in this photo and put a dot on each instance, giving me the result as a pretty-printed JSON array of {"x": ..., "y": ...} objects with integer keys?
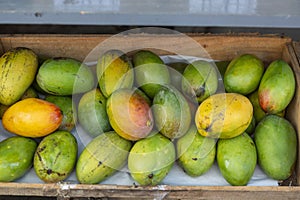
[{"x": 219, "y": 47}]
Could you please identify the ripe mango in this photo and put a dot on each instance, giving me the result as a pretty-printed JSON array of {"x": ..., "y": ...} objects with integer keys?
[
  {"x": 65, "y": 103},
  {"x": 55, "y": 157},
  {"x": 150, "y": 72},
  {"x": 199, "y": 80},
  {"x": 171, "y": 112},
  {"x": 129, "y": 114},
  {"x": 277, "y": 87},
  {"x": 276, "y": 143},
  {"x": 18, "y": 68},
  {"x": 236, "y": 158},
  {"x": 196, "y": 153},
  {"x": 243, "y": 74},
  {"x": 151, "y": 159},
  {"x": 32, "y": 117},
  {"x": 92, "y": 115},
  {"x": 64, "y": 76},
  {"x": 16, "y": 157},
  {"x": 114, "y": 71},
  {"x": 102, "y": 157},
  {"x": 224, "y": 115}
]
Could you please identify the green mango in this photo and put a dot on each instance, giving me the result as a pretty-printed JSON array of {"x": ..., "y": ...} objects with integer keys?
[
  {"x": 171, "y": 112},
  {"x": 199, "y": 80},
  {"x": 16, "y": 157},
  {"x": 236, "y": 158},
  {"x": 176, "y": 70},
  {"x": 55, "y": 157},
  {"x": 102, "y": 157},
  {"x": 64, "y": 76},
  {"x": 196, "y": 153},
  {"x": 65, "y": 103},
  {"x": 150, "y": 72},
  {"x": 92, "y": 114},
  {"x": 277, "y": 87},
  {"x": 29, "y": 93},
  {"x": 114, "y": 71},
  {"x": 151, "y": 159},
  {"x": 276, "y": 143},
  {"x": 258, "y": 112},
  {"x": 250, "y": 129},
  {"x": 243, "y": 74}
]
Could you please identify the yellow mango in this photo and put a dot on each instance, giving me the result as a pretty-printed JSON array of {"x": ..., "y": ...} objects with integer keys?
[
  {"x": 32, "y": 117},
  {"x": 224, "y": 115}
]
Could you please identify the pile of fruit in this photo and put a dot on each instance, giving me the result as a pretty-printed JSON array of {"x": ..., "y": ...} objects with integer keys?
[{"x": 146, "y": 114}]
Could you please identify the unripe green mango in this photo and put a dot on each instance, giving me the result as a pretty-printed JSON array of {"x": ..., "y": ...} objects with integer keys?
[
  {"x": 150, "y": 72},
  {"x": 236, "y": 158},
  {"x": 171, "y": 112},
  {"x": 196, "y": 153},
  {"x": 102, "y": 157},
  {"x": 64, "y": 76},
  {"x": 16, "y": 157},
  {"x": 114, "y": 71},
  {"x": 243, "y": 74},
  {"x": 92, "y": 115},
  {"x": 276, "y": 143},
  {"x": 151, "y": 159},
  {"x": 55, "y": 157},
  {"x": 277, "y": 87},
  {"x": 199, "y": 80},
  {"x": 18, "y": 68},
  {"x": 65, "y": 103},
  {"x": 29, "y": 93},
  {"x": 176, "y": 70}
]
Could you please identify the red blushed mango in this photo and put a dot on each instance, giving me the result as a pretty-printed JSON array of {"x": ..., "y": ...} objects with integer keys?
[
  {"x": 32, "y": 117},
  {"x": 129, "y": 114},
  {"x": 277, "y": 87}
]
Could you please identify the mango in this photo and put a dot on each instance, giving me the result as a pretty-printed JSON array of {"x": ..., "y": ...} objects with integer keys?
[
  {"x": 151, "y": 159},
  {"x": 16, "y": 157},
  {"x": 32, "y": 117},
  {"x": 250, "y": 129},
  {"x": 55, "y": 157},
  {"x": 277, "y": 87},
  {"x": 30, "y": 93},
  {"x": 64, "y": 76},
  {"x": 176, "y": 70},
  {"x": 236, "y": 158},
  {"x": 258, "y": 112},
  {"x": 114, "y": 71},
  {"x": 102, "y": 157},
  {"x": 65, "y": 103},
  {"x": 129, "y": 114},
  {"x": 199, "y": 80},
  {"x": 171, "y": 112},
  {"x": 243, "y": 74},
  {"x": 92, "y": 115},
  {"x": 276, "y": 143},
  {"x": 18, "y": 68},
  {"x": 3, "y": 108},
  {"x": 150, "y": 72},
  {"x": 196, "y": 154},
  {"x": 224, "y": 115}
]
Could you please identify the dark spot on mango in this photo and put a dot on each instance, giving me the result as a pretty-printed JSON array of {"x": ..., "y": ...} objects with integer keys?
[
  {"x": 49, "y": 171},
  {"x": 150, "y": 176},
  {"x": 195, "y": 159}
]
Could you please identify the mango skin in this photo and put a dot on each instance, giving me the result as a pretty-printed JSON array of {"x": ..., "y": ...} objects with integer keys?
[
  {"x": 114, "y": 71},
  {"x": 64, "y": 76},
  {"x": 224, "y": 115},
  {"x": 32, "y": 117},
  {"x": 150, "y": 72},
  {"x": 277, "y": 87},
  {"x": 129, "y": 114},
  {"x": 196, "y": 154},
  {"x": 92, "y": 115},
  {"x": 16, "y": 157},
  {"x": 18, "y": 68},
  {"x": 55, "y": 157},
  {"x": 236, "y": 158},
  {"x": 199, "y": 80},
  {"x": 276, "y": 143},
  {"x": 65, "y": 103},
  {"x": 102, "y": 157},
  {"x": 243, "y": 74},
  {"x": 151, "y": 159},
  {"x": 171, "y": 112}
]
